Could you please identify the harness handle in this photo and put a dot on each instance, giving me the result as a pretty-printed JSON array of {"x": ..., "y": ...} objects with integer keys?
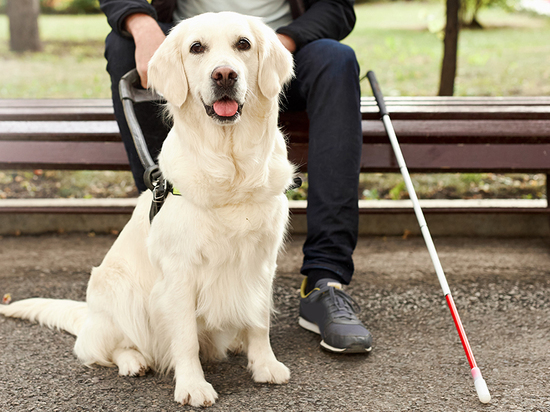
[{"x": 130, "y": 94}]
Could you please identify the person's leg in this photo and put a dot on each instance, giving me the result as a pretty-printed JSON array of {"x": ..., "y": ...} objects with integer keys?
[
  {"x": 327, "y": 84},
  {"x": 119, "y": 52},
  {"x": 327, "y": 79}
]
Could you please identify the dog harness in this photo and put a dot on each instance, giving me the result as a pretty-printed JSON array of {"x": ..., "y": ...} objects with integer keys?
[{"x": 160, "y": 187}]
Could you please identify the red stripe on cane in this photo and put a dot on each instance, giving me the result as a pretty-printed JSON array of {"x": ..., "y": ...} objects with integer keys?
[{"x": 461, "y": 332}]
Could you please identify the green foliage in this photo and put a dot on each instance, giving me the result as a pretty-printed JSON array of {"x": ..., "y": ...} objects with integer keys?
[
  {"x": 469, "y": 10},
  {"x": 299, "y": 193},
  {"x": 472, "y": 179},
  {"x": 454, "y": 186},
  {"x": 58, "y": 183},
  {"x": 398, "y": 191},
  {"x": 69, "y": 6},
  {"x": 371, "y": 194},
  {"x": 85, "y": 6}
]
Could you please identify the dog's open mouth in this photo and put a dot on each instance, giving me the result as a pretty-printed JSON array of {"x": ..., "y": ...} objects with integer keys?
[{"x": 225, "y": 109}]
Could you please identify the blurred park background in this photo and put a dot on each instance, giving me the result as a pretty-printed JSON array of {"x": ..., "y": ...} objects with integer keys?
[{"x": 503, "y": 50}]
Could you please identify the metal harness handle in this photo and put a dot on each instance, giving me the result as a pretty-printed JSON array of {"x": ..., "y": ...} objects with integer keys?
[{"x": 130, "y": 94}]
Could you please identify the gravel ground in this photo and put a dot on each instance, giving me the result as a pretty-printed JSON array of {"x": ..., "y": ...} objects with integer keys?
[{"x": 500, "y": 286}]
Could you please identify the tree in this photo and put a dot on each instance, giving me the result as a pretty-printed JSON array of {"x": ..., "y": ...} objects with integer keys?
[
  {"x": 469, "y": 10},
  {"x": 23, "y": 18},
  {"x": 450, "y": 49}
]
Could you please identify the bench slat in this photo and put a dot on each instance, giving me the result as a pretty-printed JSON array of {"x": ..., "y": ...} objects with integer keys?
[
  {"x": 367, "y": 100},
  {"x": 30, "y": 103},
  {"x": 399, "y": 108},
  {"x": 444, "y": 131},
  {"x": 432, "y": 207},
  {"x": 57, "y": 113},
  {"x": 60, "y": 130},
  {"x": 368, "y": 113},
  {"x": 63, "y": 155},
  {"x": 462, "y": 131},
  {"x": 446, "y": 158},
  {"x": 375, "y": 157},
  {"x": 408, "y": 131},
  {"x": 489, "y": 101},
  {"x": 127, "y": 210}
]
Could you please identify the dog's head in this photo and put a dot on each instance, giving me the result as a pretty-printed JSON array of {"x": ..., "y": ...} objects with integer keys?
[{"x": 222, "y": 61}]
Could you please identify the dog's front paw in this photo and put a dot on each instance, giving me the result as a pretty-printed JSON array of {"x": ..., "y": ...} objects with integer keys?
[
  {"x": 269, "y": 372},
  {"x": 130, "y": 363},
  {"x": 195, "y": 394}
]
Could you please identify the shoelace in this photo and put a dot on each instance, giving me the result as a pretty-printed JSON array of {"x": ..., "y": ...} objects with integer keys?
[{"x": 345, "y": 306}]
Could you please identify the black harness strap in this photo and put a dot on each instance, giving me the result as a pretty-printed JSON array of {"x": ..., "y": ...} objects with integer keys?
[{"x": 160, "y": 187}]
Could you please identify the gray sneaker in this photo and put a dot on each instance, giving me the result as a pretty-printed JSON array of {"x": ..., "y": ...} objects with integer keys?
[{"x": 330, "y": 312}]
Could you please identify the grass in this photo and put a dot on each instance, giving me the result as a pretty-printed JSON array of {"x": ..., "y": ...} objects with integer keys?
[
  {"x": 400, "y": 41},
  {"x": 18, "y": 184},
  {"x": 71, "y": 64},
  {"x": 454, "y": 186}
]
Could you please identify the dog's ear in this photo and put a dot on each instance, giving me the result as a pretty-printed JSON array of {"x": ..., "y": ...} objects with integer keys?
[
  {"x": 276, "y": 65},
  {"x": 166, "y": 73}
]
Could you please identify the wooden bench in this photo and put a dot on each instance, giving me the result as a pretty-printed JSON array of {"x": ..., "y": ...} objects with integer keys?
[{"x": 437, "y": 134}]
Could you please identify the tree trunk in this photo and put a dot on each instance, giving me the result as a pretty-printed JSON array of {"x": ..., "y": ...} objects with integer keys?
[
  {"x": 23, "y": 17},
  {"x": 450, "y": 52}
]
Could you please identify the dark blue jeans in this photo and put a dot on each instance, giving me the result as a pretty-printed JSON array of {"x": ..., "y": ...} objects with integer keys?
[{"x": 327, "y": 87}]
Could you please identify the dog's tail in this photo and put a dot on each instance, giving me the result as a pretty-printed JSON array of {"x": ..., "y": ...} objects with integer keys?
[{"x": 68, "y": 315}]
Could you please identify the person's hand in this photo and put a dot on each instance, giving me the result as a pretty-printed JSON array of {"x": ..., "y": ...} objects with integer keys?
[
  {"x": 147, "y": 36},
  {"x": 287, "y": 41}
]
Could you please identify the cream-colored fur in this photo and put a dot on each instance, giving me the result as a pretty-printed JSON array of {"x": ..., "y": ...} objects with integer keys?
[{"x": 200, "y": 276}]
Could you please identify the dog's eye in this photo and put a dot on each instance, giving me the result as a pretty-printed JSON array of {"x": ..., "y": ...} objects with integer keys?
[
  {"x": 243, "y": 44},
  {"x": 197, "y": 48}
]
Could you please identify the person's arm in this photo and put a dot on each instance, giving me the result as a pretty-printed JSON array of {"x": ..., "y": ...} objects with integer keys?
[
  {"x": 323, "y": 19},
  {"x": 288, "y": 42},
  {"x": 117, "y": 11},
  {"x": 147, "y": 36}
]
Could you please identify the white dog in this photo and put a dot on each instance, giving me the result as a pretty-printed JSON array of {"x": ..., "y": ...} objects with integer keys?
[{"x": 200, "y": 275}]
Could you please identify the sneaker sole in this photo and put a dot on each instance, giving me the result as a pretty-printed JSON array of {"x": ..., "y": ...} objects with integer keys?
[{"x": 312, "y": 327}]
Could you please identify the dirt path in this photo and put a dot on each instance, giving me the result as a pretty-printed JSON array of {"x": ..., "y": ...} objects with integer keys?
[{"x": 501, "y": 288}]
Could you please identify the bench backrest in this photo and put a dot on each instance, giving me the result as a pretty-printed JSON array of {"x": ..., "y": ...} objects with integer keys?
[{"x": 436, "y": 134}]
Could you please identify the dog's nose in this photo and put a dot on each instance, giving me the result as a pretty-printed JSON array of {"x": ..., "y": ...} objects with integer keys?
[{"x": 224, "y": 76}]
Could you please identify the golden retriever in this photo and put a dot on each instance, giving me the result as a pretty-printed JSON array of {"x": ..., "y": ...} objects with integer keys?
[{"x": 199, "y": 277}]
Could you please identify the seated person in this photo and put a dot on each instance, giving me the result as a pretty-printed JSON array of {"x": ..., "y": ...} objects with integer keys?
[{"x": 326, "y": 85}]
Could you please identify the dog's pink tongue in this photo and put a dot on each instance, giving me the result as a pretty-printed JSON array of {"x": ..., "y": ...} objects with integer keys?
[{"x": 226, "y": 108}]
